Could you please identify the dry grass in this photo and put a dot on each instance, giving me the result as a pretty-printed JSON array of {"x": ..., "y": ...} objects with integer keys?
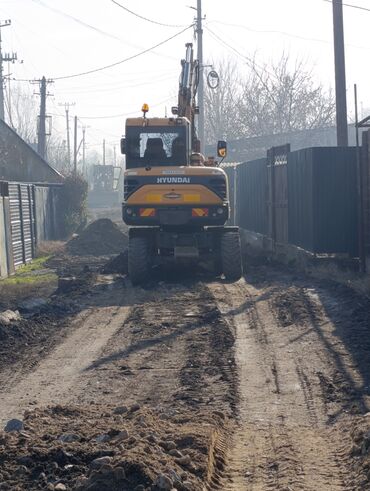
[
  {"x": 50, "y": 248},
  {"x": 34, "y": 279},
  {"x": 360, "y": 283}
]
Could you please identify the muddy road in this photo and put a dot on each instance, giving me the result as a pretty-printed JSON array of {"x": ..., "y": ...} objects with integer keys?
[{"x": 262, "y": 384}]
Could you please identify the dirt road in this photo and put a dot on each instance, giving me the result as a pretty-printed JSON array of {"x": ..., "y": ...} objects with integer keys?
[{"x": 262, "y": 384}]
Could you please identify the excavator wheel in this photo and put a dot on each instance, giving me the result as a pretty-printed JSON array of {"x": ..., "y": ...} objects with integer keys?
[
  {"x": 138, "y": 260},
  {"x": 231, "y": 256}
]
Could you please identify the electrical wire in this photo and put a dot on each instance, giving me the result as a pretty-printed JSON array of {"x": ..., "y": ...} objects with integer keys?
[
  {"x": 129, "y": 58},
  {"x": 283, "y": 33},
  {"x": 75, "y": 19},
  {"x": 145, "y": 18},
  {"x": 125, "y": 114},
  {"x": 250, "y": 62},
  {"x": 263, "y": 31},
  {"x": 93, "y": 28},
  {"x": 115, "y": 88},
  {"x": 350, "y": 5}
]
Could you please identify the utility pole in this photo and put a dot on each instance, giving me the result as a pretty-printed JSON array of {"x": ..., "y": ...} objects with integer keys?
[
  {"x": 4, "y": 23},
  {"x": 67, "y": 105},
  {"x": 84, "y": 149},
  {"x": 75, "y": 147},
  {"x": 41, "y": 130},
  {"x": 199, "y": 32},
  {"x": 340, "y": 74},
  {"x": 103, "y": 152},
  {"x": 10, "y": 58},
  {"x": 41, "y": 140}
]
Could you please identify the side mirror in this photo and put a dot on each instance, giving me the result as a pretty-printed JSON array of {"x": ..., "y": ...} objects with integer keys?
[
  {"x": 221, "y": 149},
  {"x": 123, "y": 146}
]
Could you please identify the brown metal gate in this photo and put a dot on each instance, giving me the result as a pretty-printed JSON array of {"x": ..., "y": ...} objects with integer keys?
[{"x": 277, "y": 193}]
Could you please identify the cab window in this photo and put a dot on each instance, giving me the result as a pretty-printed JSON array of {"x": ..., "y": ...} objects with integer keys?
[{"x": 155, "y": 147}]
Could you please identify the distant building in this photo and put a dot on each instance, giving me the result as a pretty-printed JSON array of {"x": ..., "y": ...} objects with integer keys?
[
  {"x": 20, "y": 162},
  {"x": 246, "y": 149}
]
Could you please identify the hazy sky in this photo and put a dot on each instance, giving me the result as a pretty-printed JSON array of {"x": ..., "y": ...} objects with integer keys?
[{"x": 62, "y": 38}]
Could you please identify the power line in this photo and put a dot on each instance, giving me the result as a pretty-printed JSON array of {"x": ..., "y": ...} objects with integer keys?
[
  {"x": 263, "y": 31},
  {"x": 283, "y": 33},
  {"x": 145, "y": 18},
  {"x": 350, "y": 5},
  {"x": 75, "y": 19},
  {"x": 115, "y": 88},
  {"x": 88, "y": 72},
  {"x": 250, "y": 61},
  {"x": 93, "y": 28},
  {"x": 252, "y": 64},
  {"x": 125, "y": 114}
]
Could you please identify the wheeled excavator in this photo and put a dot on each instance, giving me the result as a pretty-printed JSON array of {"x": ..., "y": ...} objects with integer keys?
[{"x": 175, "y": 200}]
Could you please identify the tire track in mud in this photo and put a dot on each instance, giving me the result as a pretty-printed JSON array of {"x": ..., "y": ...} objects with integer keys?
[
  {"x": 176, "y": 349},
  {"x": 168, "y": 351},
  {"x": 59, "y": 377},
  {"x": 283, "y": 440}
]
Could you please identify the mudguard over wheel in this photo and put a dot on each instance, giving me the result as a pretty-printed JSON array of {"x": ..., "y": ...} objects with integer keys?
[
  {"x": 138, "y": 260},
  {"x": 231, "y": 256}
]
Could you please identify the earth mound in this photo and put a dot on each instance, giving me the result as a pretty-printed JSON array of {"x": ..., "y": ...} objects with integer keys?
[
  {"x": 105, "y": 448},
  {"x": 117, "y": 265},
  {"x": 100, "y": 238}
]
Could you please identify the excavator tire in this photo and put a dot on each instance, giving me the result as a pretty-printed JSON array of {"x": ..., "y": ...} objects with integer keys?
[
  {"x": 138, "y": 260},
  {"x": 231, "y": 256}
]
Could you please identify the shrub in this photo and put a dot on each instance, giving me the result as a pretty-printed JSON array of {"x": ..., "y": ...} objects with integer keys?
[{"x": 73, "y": 203}]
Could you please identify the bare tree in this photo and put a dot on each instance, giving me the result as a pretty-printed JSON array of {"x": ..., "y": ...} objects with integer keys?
[
  {"x": 279, "y": 99},
  {"x": 222, "y": 105},
  {"x": 57, "y": 154},
  {"x": 23, "y": 116},
  {"x": 274, "y": 98},
  {"x": 24, "y": 111}
]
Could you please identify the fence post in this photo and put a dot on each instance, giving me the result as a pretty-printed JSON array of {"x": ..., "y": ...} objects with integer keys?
[
  {"x": 31, "y": 210},
  {"x": 271, "y": 229}
]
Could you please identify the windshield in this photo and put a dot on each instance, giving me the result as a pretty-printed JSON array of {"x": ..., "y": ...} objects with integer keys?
[{"x": 155, "y": 146}]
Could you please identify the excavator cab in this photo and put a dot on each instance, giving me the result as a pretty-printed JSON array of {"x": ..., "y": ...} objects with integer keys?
[{"x": 160, "y": 143}]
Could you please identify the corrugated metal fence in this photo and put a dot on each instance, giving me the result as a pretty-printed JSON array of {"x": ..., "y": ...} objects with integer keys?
[
  {"x": 306, "y": 198},
  {"x": 28, "y": 215}
]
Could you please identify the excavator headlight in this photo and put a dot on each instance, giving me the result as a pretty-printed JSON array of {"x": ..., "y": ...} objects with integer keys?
[
  {"x": 128, "y": 211},
  {"x": 175, "y": 110}
]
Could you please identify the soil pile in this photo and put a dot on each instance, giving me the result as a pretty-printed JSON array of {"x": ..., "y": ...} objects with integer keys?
[
  {"x": 117, "y": 265},
  {"x": 105, "y": 448},
  {"x": 102, "y": 237}
]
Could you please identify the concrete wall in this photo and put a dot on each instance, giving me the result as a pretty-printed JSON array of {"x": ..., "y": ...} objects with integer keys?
[{"x": 19, "y": 162}]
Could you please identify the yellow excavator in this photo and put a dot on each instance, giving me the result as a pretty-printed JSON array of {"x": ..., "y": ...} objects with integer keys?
[{"x": 176, "y": 201}]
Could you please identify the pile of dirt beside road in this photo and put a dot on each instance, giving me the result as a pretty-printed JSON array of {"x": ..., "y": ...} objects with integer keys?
[
  {"x": 102, "y": 237},
  {"x": 117, "y": 265},
  {"x": 106, "y": 448}
]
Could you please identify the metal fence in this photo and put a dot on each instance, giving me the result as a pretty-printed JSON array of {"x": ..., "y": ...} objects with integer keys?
[
  {"x": 247, "y": 195},
  {"x": 306, "y": 198},
  {"x": 365, "y": 170},
  {"x": 28, "y": 215}
]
